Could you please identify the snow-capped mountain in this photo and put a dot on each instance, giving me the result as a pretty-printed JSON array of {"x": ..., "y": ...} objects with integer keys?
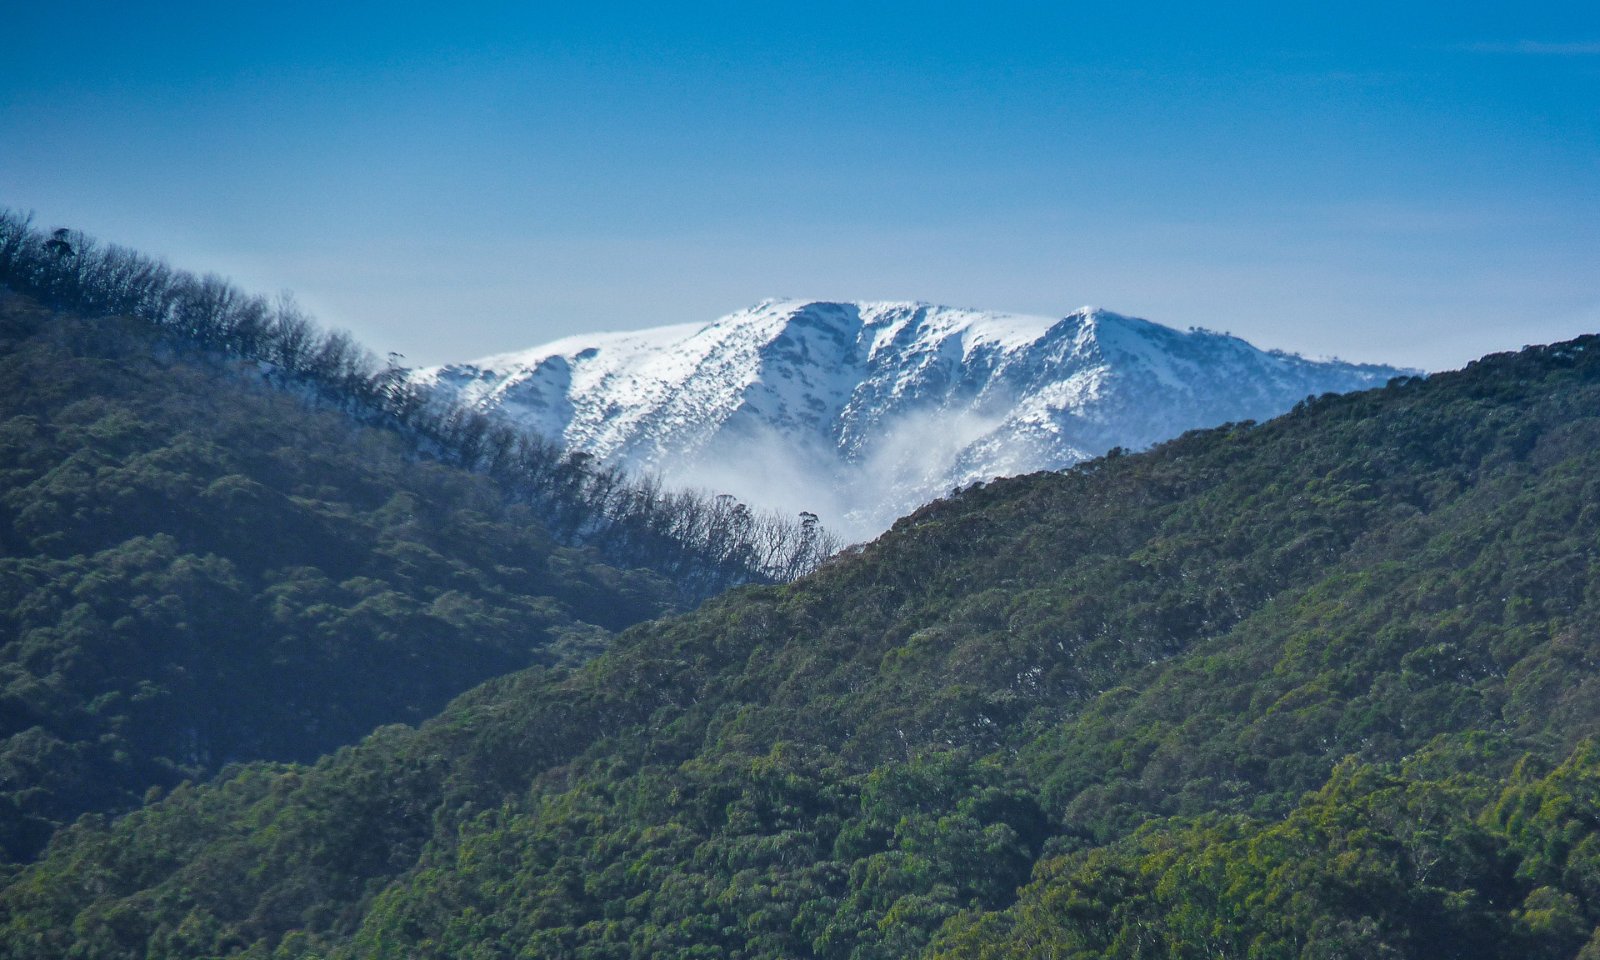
[{"x": 862, "y": 411}]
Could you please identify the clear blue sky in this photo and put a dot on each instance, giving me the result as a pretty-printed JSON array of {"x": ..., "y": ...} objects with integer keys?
[{"x": 1412, "y": 183}]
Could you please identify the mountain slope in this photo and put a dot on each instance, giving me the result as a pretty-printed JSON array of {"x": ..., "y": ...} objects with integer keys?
[
  {"x": 702, "y": 543},
  {"x": 863, "y": 411},
  {"x": 197, "y": 569},
  {"x": 1111, "y": 688}
]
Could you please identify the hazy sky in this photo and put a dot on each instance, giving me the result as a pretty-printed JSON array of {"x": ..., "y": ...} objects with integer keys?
[{"x": 1413, "y": 183}]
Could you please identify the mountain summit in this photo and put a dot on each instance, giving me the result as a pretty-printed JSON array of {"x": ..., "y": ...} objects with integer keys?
[{"x": 862, "y": 411}]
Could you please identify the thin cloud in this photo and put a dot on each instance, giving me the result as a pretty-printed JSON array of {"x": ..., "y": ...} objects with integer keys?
[{"x": 1538, "y": 48}]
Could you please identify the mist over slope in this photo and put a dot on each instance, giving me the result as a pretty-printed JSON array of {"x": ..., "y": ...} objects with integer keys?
[{"x": 863, "y": 411}]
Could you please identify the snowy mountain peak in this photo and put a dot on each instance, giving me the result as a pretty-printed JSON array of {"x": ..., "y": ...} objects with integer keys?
[{"x": 862, "y": 410}]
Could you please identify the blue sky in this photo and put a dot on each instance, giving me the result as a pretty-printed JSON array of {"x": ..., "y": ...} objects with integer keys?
[{"x": 1412, "y": 183}]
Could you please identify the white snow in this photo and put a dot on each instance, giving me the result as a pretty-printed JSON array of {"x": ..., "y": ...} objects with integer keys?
[{"x": 862, "y": 411}]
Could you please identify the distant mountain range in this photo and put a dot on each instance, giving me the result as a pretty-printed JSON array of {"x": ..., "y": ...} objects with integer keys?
[{"x": 862, "y": 411}]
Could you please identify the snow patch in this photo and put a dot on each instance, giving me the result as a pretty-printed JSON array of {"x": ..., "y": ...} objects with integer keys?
[{"x": 862, "y": 411}]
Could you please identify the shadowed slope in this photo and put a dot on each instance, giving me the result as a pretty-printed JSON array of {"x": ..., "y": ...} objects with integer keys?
[{"x": 195, "y": 568}]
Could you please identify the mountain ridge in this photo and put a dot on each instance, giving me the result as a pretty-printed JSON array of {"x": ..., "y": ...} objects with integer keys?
[
  {"x": 703, "y": 543},
  {"x": 863, "y": 410}
]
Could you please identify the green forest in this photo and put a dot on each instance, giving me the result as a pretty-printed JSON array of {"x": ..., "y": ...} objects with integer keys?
[
  {"x": 196, "y": 569},
  {"x": 1322, "y": 687}
]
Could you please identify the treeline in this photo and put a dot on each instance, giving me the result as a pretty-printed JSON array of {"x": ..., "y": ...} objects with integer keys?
[
  {"x": 704, "y": 542},
  {"x": 1324, "y": 687}
]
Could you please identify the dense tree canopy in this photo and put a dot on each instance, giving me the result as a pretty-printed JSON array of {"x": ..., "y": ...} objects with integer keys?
[
  {"x": 1322, "y": 687},
  {"x": 195, "y": 569}
]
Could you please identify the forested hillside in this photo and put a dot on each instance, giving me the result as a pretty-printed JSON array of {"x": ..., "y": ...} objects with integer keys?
[
  {"x": 195, "y": 568},
  {"x": 702, "y": 541},
  {"x": 1323, "y": 687}
]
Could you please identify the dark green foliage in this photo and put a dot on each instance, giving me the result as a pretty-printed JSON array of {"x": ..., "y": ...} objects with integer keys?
[
  {"x": 196, "y": 569},
  {"x": 1383, "y": 861},
  {"x": 1323, "y": 687}
]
